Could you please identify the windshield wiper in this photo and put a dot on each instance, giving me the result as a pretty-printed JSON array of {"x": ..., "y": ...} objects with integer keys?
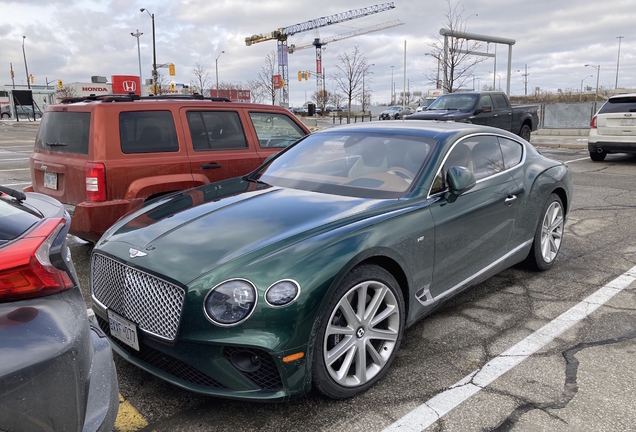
[
  {"x": 55, "y": 144},
  {"x": 19, "y": 196},
  {"x": 251, "y": 179}
]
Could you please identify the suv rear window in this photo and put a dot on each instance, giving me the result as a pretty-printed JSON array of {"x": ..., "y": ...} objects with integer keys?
[
  {"x": 65, "y": 132},
  {"x": 619, "y": 105},
  {"x": 147, "y": 132}
]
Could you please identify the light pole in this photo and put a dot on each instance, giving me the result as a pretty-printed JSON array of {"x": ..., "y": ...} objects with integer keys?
[
  {"x": 598, "y": 72},
  {"x": 217, "y": 73},
  {"x": 392, "y": 85},
  {"x": 139, "y": 55},
  {"x": 438, "y": 59},
  {"x": 154, "y": 51},
  {"x": 618, "y": 61},
  {"x": 581, "y": 94},
  {"x": 25, "y": 63}
]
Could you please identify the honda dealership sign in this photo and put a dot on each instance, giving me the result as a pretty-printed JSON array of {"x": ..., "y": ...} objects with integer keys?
[{"x": 124, "y": 84}]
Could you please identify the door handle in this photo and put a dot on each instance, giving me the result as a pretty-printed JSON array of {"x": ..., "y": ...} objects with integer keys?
[
  {"x": 212, "y": 165},
  {"x": 495, "y": 115},
  {"x": 509, "y": 113},
  {"x": 510, "y": 199}
]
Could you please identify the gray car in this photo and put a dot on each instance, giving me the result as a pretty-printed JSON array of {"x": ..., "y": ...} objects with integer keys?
[
  {"x": 5, "y": 111},
  {"x": 396, "y": 113},
  {"x": 56, "y": 366}
]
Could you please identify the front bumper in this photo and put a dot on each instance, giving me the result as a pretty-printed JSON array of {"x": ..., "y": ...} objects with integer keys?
[{"x": 209, "y": 368}]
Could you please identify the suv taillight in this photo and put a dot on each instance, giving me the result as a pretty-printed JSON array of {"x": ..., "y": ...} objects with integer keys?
[
  {"x": 593, "y": 123},
  {"x": 95, "y": 174},
  {"x": 26, "y": 270}
]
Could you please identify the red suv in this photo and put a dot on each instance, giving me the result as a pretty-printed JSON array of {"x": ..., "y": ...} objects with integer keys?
[{"x": 103, "y": 156}]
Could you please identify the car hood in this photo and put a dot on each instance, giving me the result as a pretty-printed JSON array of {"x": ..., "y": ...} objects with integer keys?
[
  {"x": 195, "y": 231},
  {"x": 438, "y": 115}
]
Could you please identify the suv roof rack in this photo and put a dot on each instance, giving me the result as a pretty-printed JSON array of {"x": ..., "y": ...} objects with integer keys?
[{"x": 130, "y": 97}]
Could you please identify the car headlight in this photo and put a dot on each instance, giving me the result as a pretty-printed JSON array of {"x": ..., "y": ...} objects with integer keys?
[
  {"x": 231, "y": 302},
  {"x": 282, "y": 293}
]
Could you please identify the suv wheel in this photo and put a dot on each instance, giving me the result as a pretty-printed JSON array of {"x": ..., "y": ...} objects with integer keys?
[
  {"x": 598, "y": 157},
  {"x": 5, "y": 115}
]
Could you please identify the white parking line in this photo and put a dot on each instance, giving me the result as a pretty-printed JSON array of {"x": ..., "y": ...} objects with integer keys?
[
  {"x": 15, "y": 169},
  {"x": 3, "y": 160},
  {"x": 576, "y": 160},
  {"x": 16, "y": 184},
  {"x": 441, "y": 404}
]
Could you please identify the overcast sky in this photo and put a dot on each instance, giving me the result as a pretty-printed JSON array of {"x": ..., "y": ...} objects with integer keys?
[{"x": 74, "y": 40}]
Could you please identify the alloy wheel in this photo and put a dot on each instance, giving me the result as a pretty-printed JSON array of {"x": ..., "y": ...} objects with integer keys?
[
  {"x": 552, "y": 232},
  {"x": 362, "y": 333}
]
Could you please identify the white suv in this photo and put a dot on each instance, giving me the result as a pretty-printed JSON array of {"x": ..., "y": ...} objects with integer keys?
[{"x": 613, "y": 128}]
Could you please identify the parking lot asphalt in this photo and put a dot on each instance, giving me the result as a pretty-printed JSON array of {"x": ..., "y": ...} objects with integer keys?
[{"x": 522, "y": 351}]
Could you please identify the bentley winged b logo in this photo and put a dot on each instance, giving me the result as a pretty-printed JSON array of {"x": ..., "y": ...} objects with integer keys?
[{"x": 134, "y": 253}]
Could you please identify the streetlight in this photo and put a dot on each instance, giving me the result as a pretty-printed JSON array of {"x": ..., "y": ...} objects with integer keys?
[
  {"x": 598, "y": 72},
  {"x": 618, "y": 61},
  {"x": 217, "y": 73},
  {"x": 392, "y": 85},
  {"x": 139, "y": 55},
  {"x": 581, "y": 94},
  {"x": 154, "y": 50},
  {"x": 25, "y": 64},
  {"x": 364, "y": 96},
  {"x": 493, "y": 79}
]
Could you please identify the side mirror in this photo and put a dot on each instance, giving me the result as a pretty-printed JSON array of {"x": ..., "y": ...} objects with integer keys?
[{"x": 459, "y": 180}]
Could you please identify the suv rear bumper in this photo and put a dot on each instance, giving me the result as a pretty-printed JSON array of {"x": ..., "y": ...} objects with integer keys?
[
  {"x": 89, "y": 220},
  {"x": 611, "y": 143}
]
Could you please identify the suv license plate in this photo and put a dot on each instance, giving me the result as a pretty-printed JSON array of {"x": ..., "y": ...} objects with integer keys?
[
  {"x": 628, "y": 122},
  {"x": 123, "y": 330},
  {"x": 50, "y": 180}
]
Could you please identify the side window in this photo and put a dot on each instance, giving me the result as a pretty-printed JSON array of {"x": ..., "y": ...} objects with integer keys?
[
  {"x": 275, "y": 130},
  {"x": 459, "y": 156},
  {"x": 500, "y": 101},
  {"x": 216, "y": 130},
  {"x": 147, "y": 132},
  {"x": 486, "y": 156},
  {"x": 485, "y": 101},
  {"x": 512, "y": 152}
]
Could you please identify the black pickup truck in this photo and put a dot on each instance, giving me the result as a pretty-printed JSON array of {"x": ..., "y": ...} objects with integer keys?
[{"x": 484, "y": 108}]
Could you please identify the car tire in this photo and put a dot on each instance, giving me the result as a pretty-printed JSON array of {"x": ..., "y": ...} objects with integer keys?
[
  {"x": 357, "y": 331},
  {"x": 598, "y": 157},
  {"x": 5, "y": 115},
  {"x": 548, "y": 236},
  {"x": 525, "y": 132},
  {"x": 397, "y": 117}
]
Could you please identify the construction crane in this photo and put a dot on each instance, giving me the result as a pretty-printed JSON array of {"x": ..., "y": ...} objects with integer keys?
[
  {"x": 283, "y": 33},
  {"x": 319, "y": 43}
]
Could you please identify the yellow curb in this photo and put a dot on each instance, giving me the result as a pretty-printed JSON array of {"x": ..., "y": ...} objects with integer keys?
[{"x": 128, "y": 418}]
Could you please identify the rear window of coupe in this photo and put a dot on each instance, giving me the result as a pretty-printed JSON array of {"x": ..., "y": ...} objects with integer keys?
[
  {"x": 147, "y": 132},
  {"x": 64, "y": 132}
]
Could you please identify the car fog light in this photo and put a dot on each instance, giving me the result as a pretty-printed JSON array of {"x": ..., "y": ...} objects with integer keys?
[
  {"x": 282, "y": 293},
  {"x": 230, "y": 302}
]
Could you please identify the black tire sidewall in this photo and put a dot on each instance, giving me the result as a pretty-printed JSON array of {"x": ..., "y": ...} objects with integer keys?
[
  {"x": 321, "y": 378},
  {"x": 525, "y": 131},
  {"x": 597, "y": 157},
  {"x": 535, "y": 257}
]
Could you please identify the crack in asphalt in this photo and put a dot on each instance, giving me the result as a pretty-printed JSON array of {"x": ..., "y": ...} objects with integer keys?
[{"x": 570, "y": 388}]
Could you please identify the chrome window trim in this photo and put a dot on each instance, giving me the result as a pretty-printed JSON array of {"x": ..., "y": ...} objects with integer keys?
[
  {"x": 286, "y": 304},
  {"x": 205, "y": 299},
  {"x": 523, "y": 160}
]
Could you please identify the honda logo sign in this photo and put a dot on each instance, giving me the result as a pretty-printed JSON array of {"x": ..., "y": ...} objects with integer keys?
[{"x": 129, "y": 86}]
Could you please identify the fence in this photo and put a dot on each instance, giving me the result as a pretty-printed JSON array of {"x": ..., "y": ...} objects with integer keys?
[{"x": 567, "y": 115}]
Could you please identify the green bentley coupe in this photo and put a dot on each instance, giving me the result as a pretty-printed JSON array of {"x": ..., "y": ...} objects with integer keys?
[{"x": 307, "y": 271}]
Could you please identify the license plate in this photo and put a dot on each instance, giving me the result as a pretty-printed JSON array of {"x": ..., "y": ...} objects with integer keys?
[
  {"x": 123, "y": 330},
  {"x": 50, "y": 180},
  {"x": 628, "y": 122}
]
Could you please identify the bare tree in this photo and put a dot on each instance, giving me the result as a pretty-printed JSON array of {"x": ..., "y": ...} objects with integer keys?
[
  {"x": 350, "y": 72},
  {"x": 256, "y": 91},
  {"x": 266, "y": 77},
  {"x": 65, "y": 92},
  {"x": 321, "y": 97},
  {"x": 459, "y": 62},
  {"x": 201, "y": 82},
  {"x": 163, "y": 83},
  {"x": 336, "y": 99}
]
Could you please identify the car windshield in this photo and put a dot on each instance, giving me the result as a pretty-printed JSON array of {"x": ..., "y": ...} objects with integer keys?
[
  {"x": 366, "y": 165},
  {"x": 461, "y": 102}
]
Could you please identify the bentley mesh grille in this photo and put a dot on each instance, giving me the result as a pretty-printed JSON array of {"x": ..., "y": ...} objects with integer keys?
[{"x": 152, "y": 303}]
